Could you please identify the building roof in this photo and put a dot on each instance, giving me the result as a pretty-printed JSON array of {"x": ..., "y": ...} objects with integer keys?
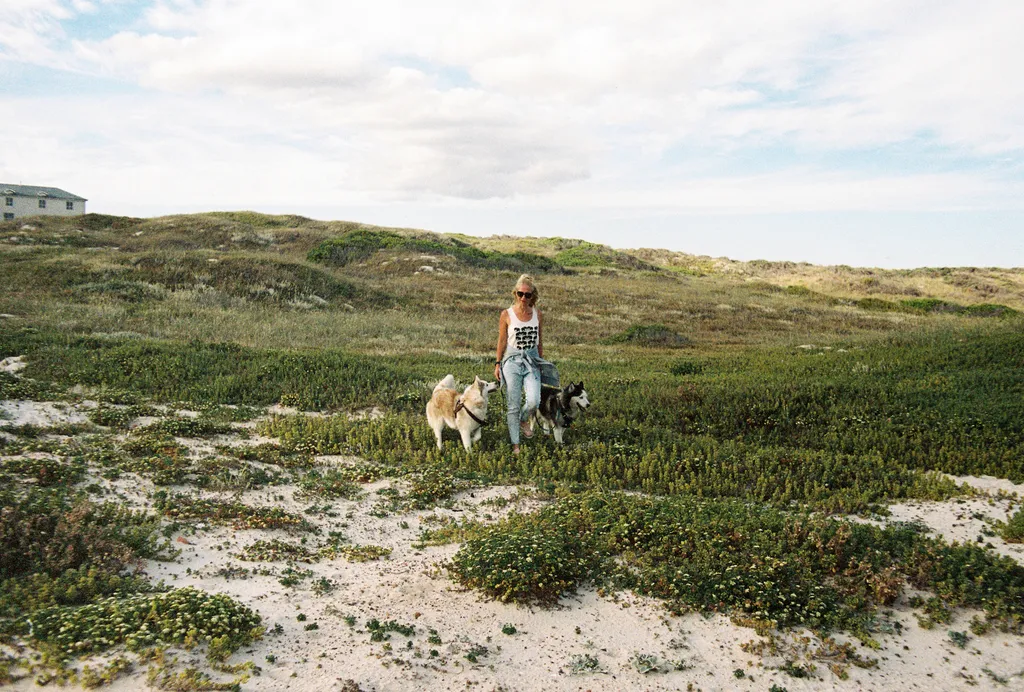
[{"x": 35, "y": 191}]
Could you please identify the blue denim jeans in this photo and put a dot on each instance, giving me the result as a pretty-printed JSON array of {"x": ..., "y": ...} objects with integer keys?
[{"x": 520, "y": 376}]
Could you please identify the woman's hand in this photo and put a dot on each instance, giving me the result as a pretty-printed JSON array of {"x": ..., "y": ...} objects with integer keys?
[{"x": 497, "y": 372}]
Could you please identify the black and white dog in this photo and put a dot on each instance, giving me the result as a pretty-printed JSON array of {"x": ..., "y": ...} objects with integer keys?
[{"x": 560, "y": 407}]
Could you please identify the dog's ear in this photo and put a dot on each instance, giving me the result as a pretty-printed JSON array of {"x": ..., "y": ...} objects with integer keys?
[{"x": 478, "y": 383}]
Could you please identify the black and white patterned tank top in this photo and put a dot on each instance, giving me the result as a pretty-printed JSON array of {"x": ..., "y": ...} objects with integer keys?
[{"x": 522, "y": 336}]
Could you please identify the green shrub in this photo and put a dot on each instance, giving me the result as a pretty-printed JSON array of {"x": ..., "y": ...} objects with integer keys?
[
  {"x": 75, "y": 586},
  {"x": 804, "y": 292},
  {"x": 276, "y": 550},
  {"x": 360, "y": 244},
  {"x": 989, "y": 310},
  {"x": 152, "y": 441},
  {"x": 353, "y": 553},
  {"x": 525, "y": 560},
  {"x": 111, "y": 417},
  {"x": 583, "y": 664},
  {"x": 162, "y": 469},
  {"x": 269, "y": 453},
  {"x": 181, "y": 426},
  {"x": 619, "y": 454},
  {"x": 586, "y": 254},
  {"x": 258, "y": 220},
  {"x": 150, "y": 277},
  {"x": 49, "y": 531},
  {"x": 429, "y": 489},
  {"x": 183, "y": 616},
  {"x": 120, "y": 289},
  {"x": 379, "y": 631},
  {"x": 685, "y": 366},
  {"x": 261, "y": 280},
  {"x": 1013, "y": 531},
  {"x": 328, "y": 485},
  {"x": 13, "y": 387},
  {"x": 96, "y": 222},
  {"x": 218, "y": 413},
  {"x": 236, "y": 514},
  {"x": 355, "y": 246},
  {"x": 657, "y": 335},
  {"x": 45, "y": 472},
  {"x": 959, "y": 639},
  {"x": 776, "y": 567},
  {"x": 225, "y": 474},
  {"x": 928, "y": 305},
  {"x": 969, "y": 576},
  {"x": 925, "y": 306},
  {"x": 220, "y": 373},
  {"x": 878, "y": 305}
]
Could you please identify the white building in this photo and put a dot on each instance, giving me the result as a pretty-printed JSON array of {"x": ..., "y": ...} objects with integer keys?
[{"x": 17, "y": 201}]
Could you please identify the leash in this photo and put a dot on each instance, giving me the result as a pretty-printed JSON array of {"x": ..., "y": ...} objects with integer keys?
[{"x": 459, "y": 406}]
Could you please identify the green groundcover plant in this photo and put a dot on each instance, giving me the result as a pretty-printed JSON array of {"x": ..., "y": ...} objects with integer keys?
[
  {"x": 1013, "y": 531},
  {"x": 68, "y": 585},
  {"x": 773, "y": 567}
]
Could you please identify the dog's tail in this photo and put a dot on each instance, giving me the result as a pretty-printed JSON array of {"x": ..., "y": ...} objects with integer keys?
[{"x": 447, "y": 383}]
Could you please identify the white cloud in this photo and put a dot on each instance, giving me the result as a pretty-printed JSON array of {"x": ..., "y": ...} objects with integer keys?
[
  {"x": 474, "y": 99},
  {"x": 949, "y": 74},
  {"x": 804, "y": 190},
  {"x": 168, "y": 150},
  {"x": 27, "y": 30}
]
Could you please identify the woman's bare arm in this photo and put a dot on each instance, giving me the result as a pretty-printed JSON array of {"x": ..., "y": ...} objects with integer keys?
[
  {"x": 540, "y": 333},
  {"x": 502, "y": 342}
]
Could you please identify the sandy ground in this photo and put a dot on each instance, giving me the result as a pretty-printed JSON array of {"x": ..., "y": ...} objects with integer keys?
[{"x": 548, "y": 647}]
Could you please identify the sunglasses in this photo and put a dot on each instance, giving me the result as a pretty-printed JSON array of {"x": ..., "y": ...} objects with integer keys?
[{"x": 526, "y": 294}]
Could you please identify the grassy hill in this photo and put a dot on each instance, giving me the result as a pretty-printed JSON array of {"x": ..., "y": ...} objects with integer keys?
[
  {"x": 197, "y": 276},
  {"x": 742, "y": 403}
]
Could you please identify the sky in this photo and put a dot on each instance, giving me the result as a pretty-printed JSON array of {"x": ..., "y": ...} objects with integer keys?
[{"x": 878, "y": 133}]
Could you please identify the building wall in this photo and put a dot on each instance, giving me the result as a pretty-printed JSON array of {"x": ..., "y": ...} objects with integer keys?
[{"x": 29, "y": 206}]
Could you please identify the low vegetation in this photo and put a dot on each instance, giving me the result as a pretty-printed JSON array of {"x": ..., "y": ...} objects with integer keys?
[
  {"x": 657, "y": 335},
  {"x": 238, "y": 515},
  {"x": 740, "y": 410},
  {"x": 213, "y": 372},
  {"x": 1013, "y": 531},
  {"x": 777, "y": 568},
  {"x": 68, "y": 586},
  {"x": 359, "y": 245}
]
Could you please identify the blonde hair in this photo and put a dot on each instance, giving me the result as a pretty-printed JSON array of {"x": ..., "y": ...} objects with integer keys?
[{"x": 527, "y": 280}]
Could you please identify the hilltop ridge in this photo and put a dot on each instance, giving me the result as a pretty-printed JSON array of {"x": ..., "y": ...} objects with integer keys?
[{"x": 354, "y": 245}]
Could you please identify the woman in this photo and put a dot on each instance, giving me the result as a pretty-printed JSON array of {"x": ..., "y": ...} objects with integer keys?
[{"x": 519, "y": 356}]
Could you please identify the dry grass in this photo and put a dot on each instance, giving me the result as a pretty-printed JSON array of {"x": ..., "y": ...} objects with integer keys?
[
  {"x": 399, "y": 307},
  {"x": 961, "y": 285}
]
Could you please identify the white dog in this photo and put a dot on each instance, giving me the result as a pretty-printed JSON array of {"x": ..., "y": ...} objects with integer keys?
[{"x": 466, "y": 413}]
